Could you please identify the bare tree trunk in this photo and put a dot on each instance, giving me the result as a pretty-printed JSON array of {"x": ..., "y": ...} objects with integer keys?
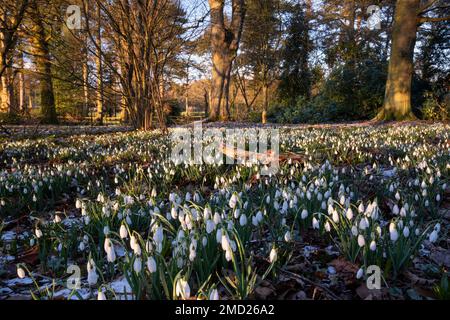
[
  {"x": 100, "y": 107},
  {"x": 265, "y": 103},
  {"x": 21, "y": 103},
  {"x": 43, "y": 65},
  {"x": 224, "y": 45},
  {"x": 397, "y": 101}
]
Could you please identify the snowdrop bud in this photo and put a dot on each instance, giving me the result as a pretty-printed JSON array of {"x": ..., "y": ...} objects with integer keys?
[
  {"x": 360, "y": 273},
  {"x": 393, "y": 235},
  {"x": 406, "y": 232},
  {"x": 433, "y": 236},
  {"x": 38, "y": 233},
  {"x": 349, "y": 214},
  {"x": 327, "y": 226},
  {"x": 210, "y": 226},
  {"x": 217, "y": 218},
  {"x": 361, "y": 240},
  {"x": 182, "y": 289},
  {"x": 395, "y": 210},
  {"x": 335, "y": 216},
  {"x": 123, "y": 231},
  {"x": 20, "y": 273},
  {"x": 214, "y": 295},
  {"x": 233, "y": 201},
  {"x": 57, "y": 219},
  {"x": 361, "y": 208},
  {"x": 373, "y": 246},
  {"x": 243, "y": 220},
  {"x": 304, "y": 214},
  {"x": 151, "y": 264},
  {"x": 137, "y": 265},
  {"x": 219, "y": 235},
  {"x": 81, "y": 246},
  {"x": 101, "y": 296},
  {"x": 273, "y": 255},
  {"x": 287, "y": 236},
  {"x": 78, "y": 204},
  {"x": 315, "y": 223}
]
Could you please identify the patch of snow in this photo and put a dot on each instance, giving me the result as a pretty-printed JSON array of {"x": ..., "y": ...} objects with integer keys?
[{"x": 122, "y": 289}]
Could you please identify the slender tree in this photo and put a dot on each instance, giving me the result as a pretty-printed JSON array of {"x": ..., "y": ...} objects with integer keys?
[{"x": 225, "y": 40}]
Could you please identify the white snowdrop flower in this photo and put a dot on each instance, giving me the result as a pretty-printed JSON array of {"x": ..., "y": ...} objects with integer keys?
[
  {"x": 354, "y": 231},
  {"x": 243, "y": 220},
  {"x": 437, "y": 227},
  {"x": 151, "y": 264},
  {"x": 233, "y": 201},
  {"x": 362, "y": 224},
  {"x": 393, "y": 235},
  {"x": 287, "y": 236},
  {"x": 427, "y": 203},
  {"x": 433, "y": 236},
  {"x": 406, "y": 232},
  {"x": 395, "y": 210},
  {"x": 438, "y": 197},
  {"x": 92, "y": 273},
  {"x": 342, "y": 200},
  {"x": 259, "y": 216},
  {"x": 78, "y": 204},
  {"x": 38, "y": 233},
  {"x": 34, "y": 198},
  {"x": 182, "y": 289},
  {"x": 123, "y": 231},
  {"x": 137, "y": 265},
  {"x": 207, "y": 213},
  {"x": 217, "y": 218},
  {"x": 373, "y": 245},
  {"x": 105, "y": 230},
  {"x": 228, "y": 255},
  {"x": 273, "y": 255},
  {"x": 315, "y": 223},
  {"x": 214, "y": 295},
  {"x": 349, "y": 214},
  {"x": 361, "y": 208},
  {"x": 21, "y": 272},
  {"x": 327, "y": 226},
  {"x": 236, "y": 213},
  {"x": 81, "y": 246},
  {"x": 397, "y": 196},
  {"x": 57, "y": 219},
  {"x": 403, "y": 212},
  {"x": 101, "y": 296},
  {"x": 173, "y": 213},
  {"x": 360, "y": 273},
  {"x": 210, "y": 226},
  {"x": 361, "y": 240},
  {"x": 335, "y": 216},
  {"x": 219, "y": 236},
  {"x": 225, "y": 242},
  {"x": 109, "y": 249},
  {"x": 304, "y": 214},
  {"x": 158, "y": 235},
  {"x": 254, "y": 221}
]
